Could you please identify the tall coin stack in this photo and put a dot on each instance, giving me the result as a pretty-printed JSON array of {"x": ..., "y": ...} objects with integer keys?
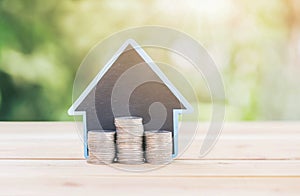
[
  {"x": 158, "y": 147},
  {"x": 130, "y": 132},
  {"x": 101, "y": 145}
]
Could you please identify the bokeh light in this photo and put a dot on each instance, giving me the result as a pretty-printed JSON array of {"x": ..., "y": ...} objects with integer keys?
[{"x": 255, "y": 44}]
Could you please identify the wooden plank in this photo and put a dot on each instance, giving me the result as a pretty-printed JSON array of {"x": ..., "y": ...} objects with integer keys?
[
  {"x": 34, "y": 162},
  {"x": 193, "y": 177},
  {"x": 248, "y": 140},
  {"x": 61, "y": 140},
  {"x": 64, "y": 185},
  {"x": 179, "y": 168},
  {"x": 35, "y": 140}
]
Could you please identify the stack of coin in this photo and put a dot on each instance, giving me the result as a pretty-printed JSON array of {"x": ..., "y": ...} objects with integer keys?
[
  {"x": 130, "y": 132},
  {"x": 158, "y": 147},
  {"x": 101, "y": 146}
]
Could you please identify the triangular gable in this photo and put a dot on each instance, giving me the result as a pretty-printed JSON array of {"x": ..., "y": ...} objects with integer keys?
[{"x": 151, "y": 64}]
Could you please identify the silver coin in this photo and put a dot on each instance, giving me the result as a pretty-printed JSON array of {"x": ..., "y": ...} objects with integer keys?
[
  {"x": 101, "y": 146},
  {"x": 158, "y": 146},
  {"x": 129, "y": 141}
]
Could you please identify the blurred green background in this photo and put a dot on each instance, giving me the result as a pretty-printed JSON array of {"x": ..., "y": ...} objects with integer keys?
[{"x": 255, "y": 43}]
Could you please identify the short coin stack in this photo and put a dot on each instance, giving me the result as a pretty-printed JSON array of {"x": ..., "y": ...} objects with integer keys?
[
  {"x": 158, "y": 147},
  {"x": 130, "y": 132},
  {"x": 101, "y": 145}
]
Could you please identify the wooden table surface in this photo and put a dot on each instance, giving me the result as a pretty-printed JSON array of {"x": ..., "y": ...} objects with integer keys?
[{"x": 46, "y": 158}]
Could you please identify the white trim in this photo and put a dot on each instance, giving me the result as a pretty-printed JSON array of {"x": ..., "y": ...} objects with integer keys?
[{"x": 151, "y": 64}]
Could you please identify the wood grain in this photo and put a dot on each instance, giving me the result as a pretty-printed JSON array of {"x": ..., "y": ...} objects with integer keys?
[
  {"x": 46, "y": 158},
  {"x": 238, "y": 141},
  {"x": 178, "y": 168},
  {"x": 72, "y": 185}
]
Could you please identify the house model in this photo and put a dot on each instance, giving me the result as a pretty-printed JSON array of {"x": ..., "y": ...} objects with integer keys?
[{"x": 128, "y": 85}]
